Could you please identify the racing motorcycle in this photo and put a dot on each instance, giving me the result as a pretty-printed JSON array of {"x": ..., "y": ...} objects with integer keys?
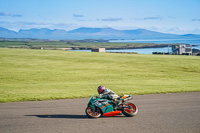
[{"x": 98, "y": 107}]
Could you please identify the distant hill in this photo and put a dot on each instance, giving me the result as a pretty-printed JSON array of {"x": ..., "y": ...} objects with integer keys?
[
  {"x": 5, "y": 33},
  {"x": 90, "y": 33},
  {"x": 43, "y": 33}
]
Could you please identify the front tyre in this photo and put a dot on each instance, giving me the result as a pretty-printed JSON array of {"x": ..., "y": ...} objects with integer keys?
[
  {"x": 93, "y": 113},
  {"x": 129, "y": 109}
]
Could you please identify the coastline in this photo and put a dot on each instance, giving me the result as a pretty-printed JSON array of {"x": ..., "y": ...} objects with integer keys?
[{"x": 122, "y": 47}]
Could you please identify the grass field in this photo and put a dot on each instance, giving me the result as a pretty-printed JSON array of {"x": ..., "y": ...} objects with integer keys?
[{"x": 27, "y": 74}]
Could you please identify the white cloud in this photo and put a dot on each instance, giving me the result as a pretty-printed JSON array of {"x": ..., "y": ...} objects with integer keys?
[
  {"x": 78, "y": 15},
  {"x": 150, "y": 18},
  {"x": 6, "y": 14},
  {"x": 110, "y": 19}
]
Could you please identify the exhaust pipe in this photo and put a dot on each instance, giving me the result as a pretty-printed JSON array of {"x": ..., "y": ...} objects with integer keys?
[{"x": 126, "y": 99}]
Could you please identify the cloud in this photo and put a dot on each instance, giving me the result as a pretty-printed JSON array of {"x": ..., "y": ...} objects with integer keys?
[
  {"x": 5, "y": 14},
  {"x": 196, "y": 19},
  {"x": 153, "y": 18},
  {"x": 78, "y": 16},
  {"x": 110, "y": 19},
  {"x": 150, "y": 18},
  {"x": 171, "y": 17},
  {"x": 175, "y": 30},
  {"x": 28, "y": 25}
]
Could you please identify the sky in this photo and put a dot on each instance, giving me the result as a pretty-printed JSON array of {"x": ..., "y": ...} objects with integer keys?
[{"x": 167, "y": 16}]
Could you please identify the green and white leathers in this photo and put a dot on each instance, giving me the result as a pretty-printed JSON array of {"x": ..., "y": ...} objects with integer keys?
[
  {"x": 98, "y": 107},
  {"x": 108, "y": 94}
]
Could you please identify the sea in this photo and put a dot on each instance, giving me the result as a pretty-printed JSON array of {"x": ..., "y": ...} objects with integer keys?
[{"x": 194, "y": 42}]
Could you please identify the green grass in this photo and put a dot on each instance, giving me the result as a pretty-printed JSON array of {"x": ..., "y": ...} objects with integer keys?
[
  {"x": 49, "y": 74},
  {"x": 24, "y": 44}
]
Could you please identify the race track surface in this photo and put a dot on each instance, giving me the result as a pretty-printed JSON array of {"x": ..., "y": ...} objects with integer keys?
[{"x": 158, "y": 113}]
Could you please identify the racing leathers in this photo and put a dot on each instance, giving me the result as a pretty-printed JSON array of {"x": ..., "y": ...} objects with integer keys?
[{"x": 110, "y": 95}]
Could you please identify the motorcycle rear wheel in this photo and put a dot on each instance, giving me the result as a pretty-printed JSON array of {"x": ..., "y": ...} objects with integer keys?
[
  {"x": 93, "y": 113},
  {"x": 129, "y": 109}
]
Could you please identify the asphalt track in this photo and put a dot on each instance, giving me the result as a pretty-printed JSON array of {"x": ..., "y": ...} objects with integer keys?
[{"x": 158, "y": 113}]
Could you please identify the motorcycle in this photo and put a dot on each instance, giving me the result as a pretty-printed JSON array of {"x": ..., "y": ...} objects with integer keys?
[{"x": 98, "y": 107}]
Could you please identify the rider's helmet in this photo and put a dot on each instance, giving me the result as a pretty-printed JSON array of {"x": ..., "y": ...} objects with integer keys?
[{"x": 100, "y": 89}]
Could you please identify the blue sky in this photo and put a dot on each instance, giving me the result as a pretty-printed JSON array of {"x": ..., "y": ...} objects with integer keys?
[{"x": 168, "y": 16}]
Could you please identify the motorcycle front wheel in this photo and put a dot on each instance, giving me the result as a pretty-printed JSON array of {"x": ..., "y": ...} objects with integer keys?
[
  {"x": 129, "y": 109},
  {"x": 93, "y": 113}
]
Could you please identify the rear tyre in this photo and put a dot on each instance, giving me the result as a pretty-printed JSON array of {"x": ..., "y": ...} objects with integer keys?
[
  {"x": 93, "y": 113},
  {"x": 129, "y": 109}
]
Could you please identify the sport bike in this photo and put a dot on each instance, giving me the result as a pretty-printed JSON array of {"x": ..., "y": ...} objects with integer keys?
[{"x": 98, "y": 107}]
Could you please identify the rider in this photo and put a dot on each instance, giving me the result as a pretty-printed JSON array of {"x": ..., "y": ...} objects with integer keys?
[{"x": 108, "y": 94}]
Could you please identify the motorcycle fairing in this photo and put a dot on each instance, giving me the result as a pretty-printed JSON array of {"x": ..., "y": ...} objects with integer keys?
[
  {"x": 112, "y": 113},
  {"x": 103, "y": 104}
]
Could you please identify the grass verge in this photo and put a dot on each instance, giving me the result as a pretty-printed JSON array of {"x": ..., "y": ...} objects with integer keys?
[{"x": 27, "y": 75}]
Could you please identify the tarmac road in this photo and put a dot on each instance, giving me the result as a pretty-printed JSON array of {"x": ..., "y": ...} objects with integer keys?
[{"x": 158, "y": 113}]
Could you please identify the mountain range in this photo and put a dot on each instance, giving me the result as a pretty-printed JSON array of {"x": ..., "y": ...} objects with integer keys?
[{"x": 91, "y": 33}]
